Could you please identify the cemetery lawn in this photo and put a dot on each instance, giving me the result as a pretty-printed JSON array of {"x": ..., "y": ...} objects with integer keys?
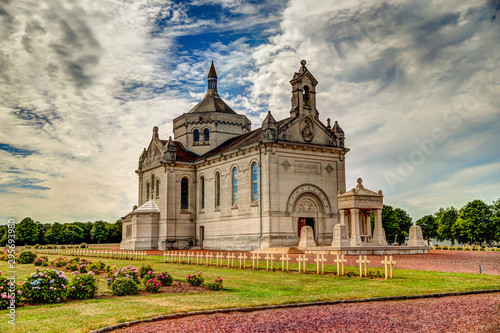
[{"x": 242, "y": 288}]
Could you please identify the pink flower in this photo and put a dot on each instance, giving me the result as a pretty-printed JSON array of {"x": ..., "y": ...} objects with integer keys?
[
  {"x": 18, "y": 291},
  {"x": 41, "y": 274},
  {"x": 58, "y": 298}
]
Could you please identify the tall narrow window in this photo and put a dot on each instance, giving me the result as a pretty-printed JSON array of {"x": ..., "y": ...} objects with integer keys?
[
  {"x": 184, "y": 193},
  {"x": 202, "y": 185},
  {"x": 206, "y": 134},
  {"x": 235, "y": 186},
  {"x": 217, "y": 189},
  {"x": 157, "y": 187},
  {"x": 148, "y": 191},
  {"x": 255, "y": 186},
  {"x": 196, "y": 135}
]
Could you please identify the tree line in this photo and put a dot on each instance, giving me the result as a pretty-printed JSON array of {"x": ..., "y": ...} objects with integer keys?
[
  {"x": 475, "y": 223},
  {"x": 29, "y": 232}
]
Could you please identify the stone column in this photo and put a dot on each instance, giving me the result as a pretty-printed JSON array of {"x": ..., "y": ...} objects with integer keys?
[
  {"x": 368, "y": 223},
  {"x": 342, "y": 216},
  {"x": 355, "y": 234},
  {"x": 378, "y": 232}
]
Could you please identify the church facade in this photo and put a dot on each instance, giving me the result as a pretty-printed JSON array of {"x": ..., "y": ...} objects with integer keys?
[{"x": 218, "y": 184}]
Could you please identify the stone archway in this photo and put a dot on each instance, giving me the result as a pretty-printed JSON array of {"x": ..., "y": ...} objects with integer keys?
[{"x": 308, "y": 210}]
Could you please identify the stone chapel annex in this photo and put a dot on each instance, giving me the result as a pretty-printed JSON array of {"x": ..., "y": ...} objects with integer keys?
[{"x": 218, "y": 184}]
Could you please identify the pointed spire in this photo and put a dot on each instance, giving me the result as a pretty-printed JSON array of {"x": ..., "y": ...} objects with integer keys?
[
  {"x": 269, "y": 121},
  {"x": 212, "y": 81},
  {"x": 211, "y": 72},
  {"x": 337, "y": 129}
]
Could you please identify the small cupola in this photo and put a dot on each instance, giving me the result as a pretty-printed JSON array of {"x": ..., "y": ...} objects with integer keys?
[{"x": 303, "y": 92}]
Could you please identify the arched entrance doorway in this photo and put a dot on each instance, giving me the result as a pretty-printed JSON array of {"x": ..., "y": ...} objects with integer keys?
[{"x": 308, "y": 211}]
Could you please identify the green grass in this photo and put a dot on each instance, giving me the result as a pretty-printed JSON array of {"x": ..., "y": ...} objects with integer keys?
[{"x": 241, "y": 288}]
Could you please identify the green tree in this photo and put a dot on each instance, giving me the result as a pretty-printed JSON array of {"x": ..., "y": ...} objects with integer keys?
[
  {"x": 115, "y": 232},
  {"x": 495, "y": 209},
  {"x": 27, "y": 231},
  {"x": 474, "y": 224},
  {"x": 43, "y": 228},
  {"x": 72, "y": 233},
  {"x": 55, "y": 234},
  {"x": 429, "y": 226},
  {"x": 99, "y": 231},
  {"x": 4, "y": 233},
  {"x": 396, "y": 223},
  {"x": 445, "y": 219},
  {"x": 86, "y": 227}
]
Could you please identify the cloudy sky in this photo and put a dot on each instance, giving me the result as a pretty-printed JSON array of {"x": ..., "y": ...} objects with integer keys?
[{"x": 415, "y": 85}]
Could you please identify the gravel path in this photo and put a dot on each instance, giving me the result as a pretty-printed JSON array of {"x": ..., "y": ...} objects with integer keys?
[{"x": 471, "y": 313}]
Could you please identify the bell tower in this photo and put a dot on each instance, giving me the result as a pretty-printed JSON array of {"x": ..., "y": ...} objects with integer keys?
[{"x": 303, "y": 93}]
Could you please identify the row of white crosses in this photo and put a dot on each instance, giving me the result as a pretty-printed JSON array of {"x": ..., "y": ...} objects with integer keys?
[
  {"x": 121, "y": 254},
  {"x": 188, "y": 257}
]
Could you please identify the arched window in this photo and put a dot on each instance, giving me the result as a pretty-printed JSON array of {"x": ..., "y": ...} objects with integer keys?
[
  {"x": 235, "y": 186},
  {"x": 217, "y": 189},
  {"x": 157, "y": 187},
  {"x": 184, "y": 193},
  {"x": 255, "y": 186},
  {"x": 196, "y": 135},
  {"x": 202, "y": 185},
  {"x": 306, "y": 97},
  {"x": 148, "y": 191},
  {"x": 206, "y": 134}
]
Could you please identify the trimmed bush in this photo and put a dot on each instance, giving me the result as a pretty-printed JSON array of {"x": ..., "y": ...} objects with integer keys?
[
  {"x": 84, "y": 246},
  {"x": 60, "y": 261},
  {"x": 83, "y": 286},
  {"x": 153, "y": 285},
  {"x": 145, "y": 269},
  {"x": 37, "y": 246},
  {"x": 124, "y": 286},
  {"x": 195, "y": 279},
  {"x": 215, "y": 285},
  {"x": 444, "y": 247},
  {"x": 97, "y": 266},
  {"x": 128, "y": 272},
  {"x": 165, "y": 279},
  {"x": 41, "y": 261},
  {"x": 26, "y": 257},
  {"x": 9, "y": 292},
  {"x": 47, "y": 286}
]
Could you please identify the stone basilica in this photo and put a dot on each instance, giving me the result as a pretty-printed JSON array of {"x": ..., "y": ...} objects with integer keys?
[{"x": 218, "y": 184}]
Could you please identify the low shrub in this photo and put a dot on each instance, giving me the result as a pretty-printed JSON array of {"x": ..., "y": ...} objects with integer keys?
[
  {"x": 215, "y": 284},
  {"x": 145, "y": 269},
  {"x": 165, "y": 278},
  {"x": 72, "y": 266},
  {"x": 47, "y": 286},
  {"x": 372, "y": 275},
  {"x": 83, "y": 286},
  {"x": 124, "y": 286},
  {"x": 351, "y": 274},
  {"x": 41, "y": 261},
  {"x": 50, "y": 247},
  {"x": 195, "y": 279},
  {"x": 27, "y": 247},
  {"x": 126, "y": 272},
  {"x": 37, "y": 246},
  {"x": 26, "y": 257},
  {"x": 84, "y": 246},
  {"x": 9, "y": 293},
  {"x": 444, "y": 247},
  {"x": 153, "y": 285},
  {"x": 97, "y": 266},
  {"x": 4, "y": 255},
  {"x": 62, "y": 247},
  {"x": 60, "y": 261}
]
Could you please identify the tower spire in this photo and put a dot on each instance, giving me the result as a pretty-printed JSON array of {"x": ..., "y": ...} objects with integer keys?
[{"x": 212, "y": 81}]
